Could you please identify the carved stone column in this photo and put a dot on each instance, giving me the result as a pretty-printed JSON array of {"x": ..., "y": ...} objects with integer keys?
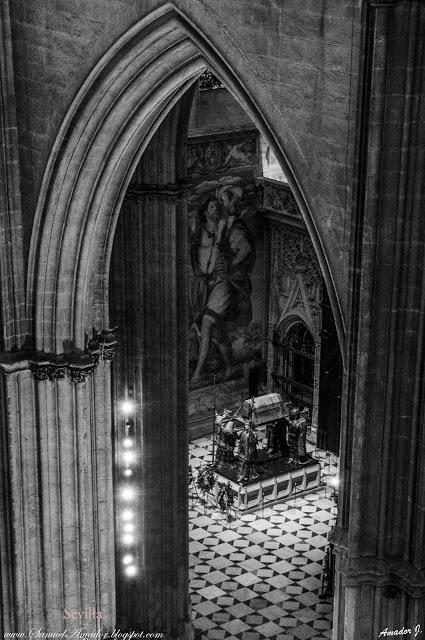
[
  {"x": 148, "y": 302},
  {"x": 13, "y": 326},
  {"x": 56, "y": 465},
  {"x": 381, "y": 525},
  {"x": 152, "y": 365}
]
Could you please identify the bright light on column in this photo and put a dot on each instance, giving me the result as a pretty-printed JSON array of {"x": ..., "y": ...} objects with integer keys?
[
  {"x": 129, "y": 457},
  {"x": 127, "y": 407},
  {"x": 130, "y": 571},
  {"x": 128, "y": 493},
  {"x": 335, "y": 482}
]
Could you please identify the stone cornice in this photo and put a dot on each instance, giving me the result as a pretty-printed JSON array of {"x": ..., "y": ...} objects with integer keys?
[{"x": 77, "y": 366}]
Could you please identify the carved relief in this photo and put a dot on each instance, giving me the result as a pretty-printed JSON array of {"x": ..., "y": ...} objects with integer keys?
[
  {"x": 52, "y": 371},
  {"x": 80, "y": 374},
  {"x": 47, "y": 371},
  {"x": 221, "y": 154},
  {"x": 278, "y": 198},
  {"x": 292, "y": 252}
]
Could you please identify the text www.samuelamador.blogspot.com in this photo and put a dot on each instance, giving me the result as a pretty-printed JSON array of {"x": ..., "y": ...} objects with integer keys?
[{"x": 82, "y": 634}]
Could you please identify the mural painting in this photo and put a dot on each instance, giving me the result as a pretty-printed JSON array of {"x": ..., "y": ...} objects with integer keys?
[{"x": 222, "y": 231}]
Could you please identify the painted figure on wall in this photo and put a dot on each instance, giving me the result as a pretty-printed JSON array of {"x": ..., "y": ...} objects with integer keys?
[{"x": 222, "y": 256}]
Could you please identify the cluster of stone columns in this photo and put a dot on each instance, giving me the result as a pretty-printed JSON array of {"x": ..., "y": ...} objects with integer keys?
[
  {"x": 380, "y": 538},
  {"x": 56, "y": 463}
]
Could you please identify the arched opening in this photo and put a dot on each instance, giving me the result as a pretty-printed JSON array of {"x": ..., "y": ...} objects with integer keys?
[
  {"x": 293, "y": 370},
  {"x": 139, "y": 86},
  {"x": 179, "y": 173},
  {"x": 118, "y": 108}
]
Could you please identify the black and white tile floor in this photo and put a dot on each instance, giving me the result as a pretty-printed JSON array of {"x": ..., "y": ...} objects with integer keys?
[{"x": 259, "y": 575}]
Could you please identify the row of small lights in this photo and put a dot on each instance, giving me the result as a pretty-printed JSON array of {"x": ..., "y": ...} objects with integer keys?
[{"x": 128, "y": 491}]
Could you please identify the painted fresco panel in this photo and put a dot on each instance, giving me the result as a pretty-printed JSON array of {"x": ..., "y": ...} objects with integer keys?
[{"x": 224, "y": 334}]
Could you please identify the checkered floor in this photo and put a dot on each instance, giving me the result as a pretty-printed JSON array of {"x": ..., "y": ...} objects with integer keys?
[{"x": 259, "y": 575}]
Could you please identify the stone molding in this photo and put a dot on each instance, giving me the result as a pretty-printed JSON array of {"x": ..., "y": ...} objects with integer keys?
[
  {"x": 78, "y": 367},
  {"x": 163, "y": 192}
]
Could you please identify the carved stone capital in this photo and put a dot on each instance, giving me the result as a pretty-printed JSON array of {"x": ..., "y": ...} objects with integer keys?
[
  {"x": 77, "y": 366},
  {"x": 48, "y": 371},
  {"x": 102, "y": 344},
  {"x": 80, "y": 374}
]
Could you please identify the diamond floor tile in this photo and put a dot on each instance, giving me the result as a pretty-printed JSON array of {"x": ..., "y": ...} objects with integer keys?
[{"x": 258, "y": 575}]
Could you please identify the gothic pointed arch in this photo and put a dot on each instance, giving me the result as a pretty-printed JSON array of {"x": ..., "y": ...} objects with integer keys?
[
  {"x": 103, "y": 136},
  {"x": 297, "y": 306}
]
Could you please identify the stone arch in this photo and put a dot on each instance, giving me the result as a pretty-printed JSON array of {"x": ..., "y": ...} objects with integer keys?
[
  {"x": 112, "y": 118},
  {"x": 287, "y": 321}
]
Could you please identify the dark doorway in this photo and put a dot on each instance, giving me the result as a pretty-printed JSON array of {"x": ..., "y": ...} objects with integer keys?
[{"x": 293, "y": 371}]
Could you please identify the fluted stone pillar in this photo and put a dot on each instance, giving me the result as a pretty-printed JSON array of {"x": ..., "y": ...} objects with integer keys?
[
  {"x": 151, "y": 367},
  {"x": 13, "y": 323},
  {"x": 148, "y": 286},
  {"x": 380, "y": 538},
  {"x": 164, "y": 375},
  {"x": 57, "y": 469}
]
